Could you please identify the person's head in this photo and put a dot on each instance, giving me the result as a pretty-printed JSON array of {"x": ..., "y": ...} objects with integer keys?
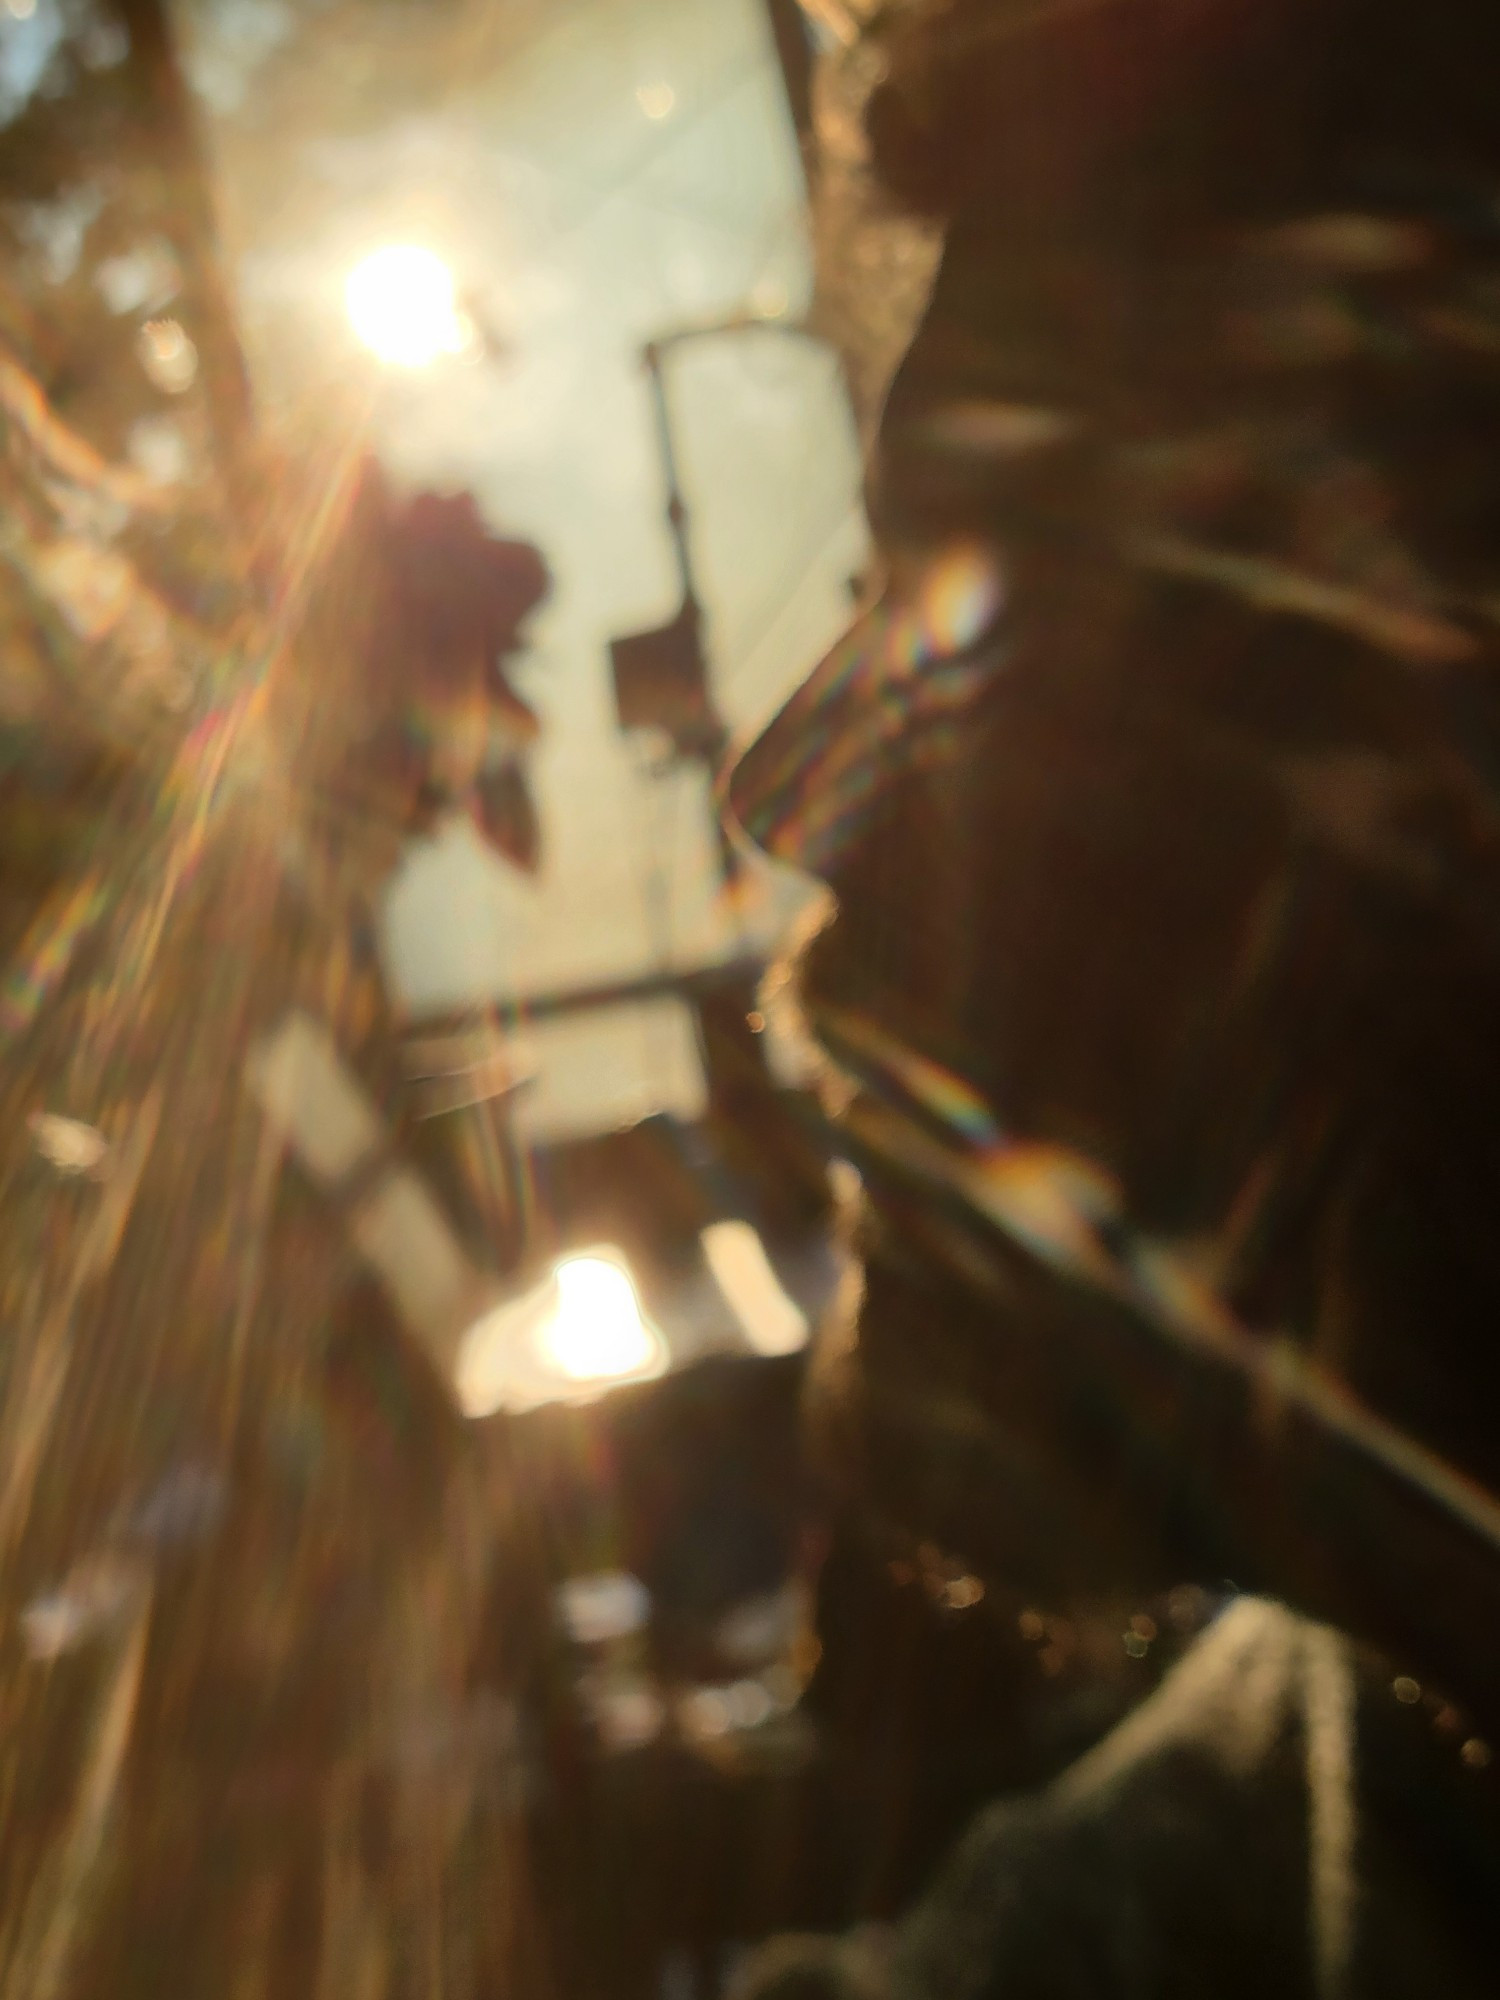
[{"x": 1160, "y": 821}]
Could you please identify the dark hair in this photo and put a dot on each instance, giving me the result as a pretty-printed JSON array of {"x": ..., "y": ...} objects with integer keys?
[{"x": 1172, "y": 107}]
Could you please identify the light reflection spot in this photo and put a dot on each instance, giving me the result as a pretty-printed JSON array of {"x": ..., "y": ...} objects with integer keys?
[
  {"x": 961, "y": 598},
  {"x": 656, "y": 100},
  {"x": 962, "y": 1593},
  {"x": 611, "y": 1604},
  {"x": 770, "y": 1319},
  {"x": 167, "y": 354}
]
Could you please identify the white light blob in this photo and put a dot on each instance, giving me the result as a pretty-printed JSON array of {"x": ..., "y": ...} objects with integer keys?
[
  {"x": 597, "y": 1332},
  {"x": 401, "y": 304},
  {"x": 772, "y": 1322},
  {"x": 581, "y": 1332}
]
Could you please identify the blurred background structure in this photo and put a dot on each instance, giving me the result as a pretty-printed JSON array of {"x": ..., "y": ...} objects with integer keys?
[
  {"x": 574, "y": 1067},
  {"x": 594, "y": 174},
  {"x": 426, "y": 457}
]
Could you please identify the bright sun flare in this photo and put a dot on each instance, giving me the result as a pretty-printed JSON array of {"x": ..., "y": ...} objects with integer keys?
[
  {"x": 402, "y": 306},
  {"x": 597, "y": 1333},
  {"x": 577, "y": 1333}
]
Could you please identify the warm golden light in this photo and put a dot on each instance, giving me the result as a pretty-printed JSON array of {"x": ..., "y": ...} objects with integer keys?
[
  {"x": 402, "y": 306},
  {"x": 597, "y": 1332},
  {"x": 772, "y": 1322},
  {"x": 579, "y": 1333}
]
